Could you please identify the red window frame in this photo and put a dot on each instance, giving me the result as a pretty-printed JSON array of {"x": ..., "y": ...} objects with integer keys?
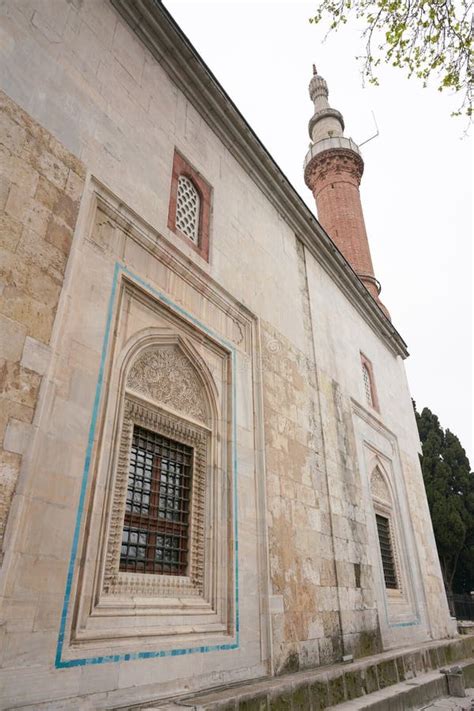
[{"x": 182, "y": 167}]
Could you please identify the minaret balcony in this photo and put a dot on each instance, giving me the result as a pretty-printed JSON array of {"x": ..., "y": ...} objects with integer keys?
[{"x": 327, "y": 144}]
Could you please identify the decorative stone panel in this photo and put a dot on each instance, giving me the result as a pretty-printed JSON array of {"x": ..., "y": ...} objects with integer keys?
[{"x": 166, "y": 376}]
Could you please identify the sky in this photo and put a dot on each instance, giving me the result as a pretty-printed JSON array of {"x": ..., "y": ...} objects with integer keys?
[{"x": 417, "y": 185}]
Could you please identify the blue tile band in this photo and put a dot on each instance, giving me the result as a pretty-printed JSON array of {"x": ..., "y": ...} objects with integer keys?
[{"x": 61, "y": 663}]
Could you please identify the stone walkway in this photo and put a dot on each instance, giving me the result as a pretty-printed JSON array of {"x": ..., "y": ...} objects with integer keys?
[{"x": 450, "y": 703}]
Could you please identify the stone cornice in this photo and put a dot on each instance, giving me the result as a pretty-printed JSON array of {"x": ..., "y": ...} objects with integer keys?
[{"x": 165, "y": 40}]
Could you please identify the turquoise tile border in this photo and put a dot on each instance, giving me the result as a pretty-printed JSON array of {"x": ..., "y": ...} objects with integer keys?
[{"x": 61, "y": 663}]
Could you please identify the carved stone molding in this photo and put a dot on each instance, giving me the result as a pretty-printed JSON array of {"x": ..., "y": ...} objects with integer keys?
[
  {"x": 165, "y": 375},
  {"x": 131, "y": 584},
  {"x": 334, "y": 162}
]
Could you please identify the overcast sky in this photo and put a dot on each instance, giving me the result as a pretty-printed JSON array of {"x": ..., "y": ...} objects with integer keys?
[{"x": 416, "y": 189}]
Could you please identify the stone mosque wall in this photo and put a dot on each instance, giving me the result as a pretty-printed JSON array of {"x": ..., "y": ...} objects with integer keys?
[{"x": 246, "y": 356}]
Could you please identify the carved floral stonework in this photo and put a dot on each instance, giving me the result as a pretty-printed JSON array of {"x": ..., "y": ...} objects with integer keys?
[
  {"x": 165, "y": 374},
  {"x": 379, "y": 486}
]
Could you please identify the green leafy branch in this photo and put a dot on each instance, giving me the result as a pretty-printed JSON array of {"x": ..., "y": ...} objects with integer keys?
[{"x": 424, "y": 37}]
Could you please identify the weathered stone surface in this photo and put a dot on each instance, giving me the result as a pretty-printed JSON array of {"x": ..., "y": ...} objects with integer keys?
[
  {"x": 291, "y": 395},
  {"x": 37, "y": 217}
]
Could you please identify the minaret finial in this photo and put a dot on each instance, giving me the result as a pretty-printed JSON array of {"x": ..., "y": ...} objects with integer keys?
[{"x": 314, "y": 69}]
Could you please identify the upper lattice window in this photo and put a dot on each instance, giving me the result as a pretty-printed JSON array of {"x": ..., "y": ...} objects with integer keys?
[
  {"x": 188, "y": 206},
  {"x": 367, "y": 385}
]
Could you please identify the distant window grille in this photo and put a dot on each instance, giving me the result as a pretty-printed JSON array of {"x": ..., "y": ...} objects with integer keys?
[
  {"x": 367, "y": 385},
  {"x": 155, "y": 537},
  {"x": 386, "y": 551},
  {"x": 187, "y": 209}
]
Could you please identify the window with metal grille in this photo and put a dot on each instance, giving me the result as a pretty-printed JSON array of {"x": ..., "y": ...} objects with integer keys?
[
  {"x": 187, "y": 208},
  {"x": 386, "y": 551},
  {"x": 367, "y": 385},
  {"x": 155, "y": 537}
]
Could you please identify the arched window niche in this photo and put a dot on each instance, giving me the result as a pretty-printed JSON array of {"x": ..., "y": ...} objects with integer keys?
[
  {"x": 385, "y": 521},
  {"x": 161, "y": 489}
]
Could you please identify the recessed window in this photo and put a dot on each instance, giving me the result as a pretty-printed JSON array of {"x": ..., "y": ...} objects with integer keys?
[
  {"x": 368, "y": 383},
  {"x": 187, "y": 209},
  {"x": 156, "y": 525},
  {"x": 386, "y": 551},
  {"x": 190, "y": 206}
]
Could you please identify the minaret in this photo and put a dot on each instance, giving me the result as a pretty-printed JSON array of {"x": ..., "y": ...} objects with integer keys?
[{"x": 333, "y": 170}]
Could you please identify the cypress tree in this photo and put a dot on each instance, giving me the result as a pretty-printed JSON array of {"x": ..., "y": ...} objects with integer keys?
[{"x": 449, "y": 484}]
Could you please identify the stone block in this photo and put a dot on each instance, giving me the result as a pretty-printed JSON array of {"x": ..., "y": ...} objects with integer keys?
[
  {"x": 37, "y": 317},
  {"x": 12, "y": 135},
  {"x": 354, "y": 684},
  {"x": 20, "y": 614},
  {"x": 4, "y": 190},
  {"x": 370, "y": 679},
  {"x": 319, "y": 695},
  {"x": 18, "y": 384},
  {"x": 259, "y": 703},
  {"x": 11, "y": 409},
  {"x": 336, "y": 690},
  {"x": 301, "y": 699},
  {"x": 387, "y": 673},
  {"x": 35, "y": 251},
  {"x": 59, "y": 234},
  {"x": 17, "y": 437},
  {"x": 74, "y": 186},
  {"x": 401, "y": 668},
  {"x": 51, "y": 168},
  {"x": 36, "y": 217},
  {"x": 12, "y": 339},
  {"x": 10, "y": 232},
  {"x": 35, "y": 356},
  {"x": 16, "y": 205},
  {"x": 280, "y": 701},
  {"x": 46, "y": 193}
]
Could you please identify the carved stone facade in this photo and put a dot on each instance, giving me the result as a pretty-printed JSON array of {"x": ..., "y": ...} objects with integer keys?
[
  {"x": 167, "y": 377},
  {"x": 245, "y": 351}
]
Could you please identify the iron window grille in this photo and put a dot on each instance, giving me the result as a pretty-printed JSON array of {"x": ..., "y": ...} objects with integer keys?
[
  {"x": 386, "y": 551},
  {"x": 155, "y": 535}
]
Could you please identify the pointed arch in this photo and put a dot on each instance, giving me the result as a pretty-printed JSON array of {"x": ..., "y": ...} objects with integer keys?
[
  {"x": 168, "y": 421},
  {"x": 385, "y": 521}
]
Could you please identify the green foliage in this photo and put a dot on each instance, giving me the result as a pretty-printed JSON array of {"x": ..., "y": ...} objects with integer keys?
[
  {"x": 449, "y": 485},
  {"x": 424, "y": 37}
]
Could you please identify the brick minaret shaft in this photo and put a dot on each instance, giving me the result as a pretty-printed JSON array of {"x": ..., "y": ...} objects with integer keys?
[{"x": 333, "y": 171}]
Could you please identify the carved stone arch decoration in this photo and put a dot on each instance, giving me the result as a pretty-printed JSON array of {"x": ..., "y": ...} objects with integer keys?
[
  {"x": 165, "y": 375},
  {"x": 379, "y": 486},
  {"x": 166, "y": 388},
  {"x": 385, "y": 510}
]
